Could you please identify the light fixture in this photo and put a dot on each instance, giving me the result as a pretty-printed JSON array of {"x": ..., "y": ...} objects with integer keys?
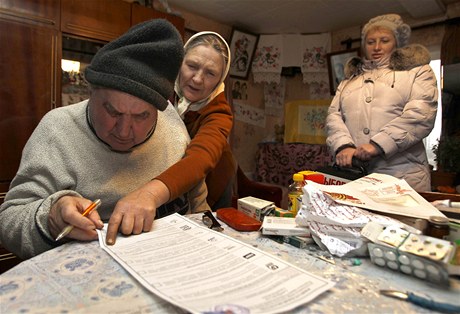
[{"x": 70, "y": 66}]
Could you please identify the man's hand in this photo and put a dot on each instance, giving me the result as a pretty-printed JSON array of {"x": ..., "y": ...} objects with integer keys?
[
  {"x": 68, "y": 211},
  {"x": 344, "y": 157},
  {"x": 135, "y": 212}
]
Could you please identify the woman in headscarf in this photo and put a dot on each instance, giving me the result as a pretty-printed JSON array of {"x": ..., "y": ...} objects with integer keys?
[
  {"x": 208, "y": 117},
  {"x": 386, "y": 105}
]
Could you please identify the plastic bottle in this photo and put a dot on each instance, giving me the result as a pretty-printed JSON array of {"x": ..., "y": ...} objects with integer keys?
[
  {"x": 313, "y": 176},
  {"x": 295, "y": 192}
]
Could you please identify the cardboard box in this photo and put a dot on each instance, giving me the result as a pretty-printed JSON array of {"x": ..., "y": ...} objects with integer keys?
[
  {"x": 255, "y": 207},
  {"x": 284, "y": 226},
  {"x": 279, "y": 212},
  {"x": 297, "y": 241},
  {"x": 330, "y": 179}
]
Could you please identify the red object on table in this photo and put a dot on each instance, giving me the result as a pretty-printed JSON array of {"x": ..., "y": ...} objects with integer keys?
[{"x": 238, "y": 220}]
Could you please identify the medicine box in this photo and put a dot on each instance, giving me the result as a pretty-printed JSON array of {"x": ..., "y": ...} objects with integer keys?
[
  {"x": 284, "y": 226},
  {"x": 300, "y": 242},
  {"x": 255, "y": 207}
]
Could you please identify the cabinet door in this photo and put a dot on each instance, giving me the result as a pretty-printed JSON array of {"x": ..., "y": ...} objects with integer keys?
[
  {"x": 141, "y": 13},
  {"x": 44, "y": 13},
  {"x": 97, "y": 19},
  {"x": 29, "y": 81}
]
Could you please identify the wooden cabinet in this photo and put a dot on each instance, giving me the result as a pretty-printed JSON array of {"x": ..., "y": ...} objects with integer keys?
[
  {"x": 40, "y": 12},
  {"x": 140, "y": 13},
  {"x": 31, "y": 36},
  {"x": 97, "y": 19},
  {"x": 29, "y": 82},
  {"x": 30, "y": 75}
]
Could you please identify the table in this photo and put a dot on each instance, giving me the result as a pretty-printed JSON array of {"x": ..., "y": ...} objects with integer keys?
[
  {"x": 277, "y": 162},
  {"x": 79, "y": 277}
]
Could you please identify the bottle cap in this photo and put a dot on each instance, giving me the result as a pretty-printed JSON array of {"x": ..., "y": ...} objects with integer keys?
[{"x": 297, "y": 177}]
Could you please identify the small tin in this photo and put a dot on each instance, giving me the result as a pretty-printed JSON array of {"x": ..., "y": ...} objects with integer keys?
[{"x": 438, "y": 227}]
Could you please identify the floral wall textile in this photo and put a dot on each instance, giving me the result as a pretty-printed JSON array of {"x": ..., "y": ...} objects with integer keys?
[
  {"x": 267, "y": 64},
  {"x": 305, "y": 121},
  {"x": 274, "y": 98},
  {"x": 248, "y": 114},
  {"x": 314, "y": 63}
]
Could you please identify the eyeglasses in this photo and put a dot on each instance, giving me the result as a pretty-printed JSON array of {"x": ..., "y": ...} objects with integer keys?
[{"x": 211, "y": 222}]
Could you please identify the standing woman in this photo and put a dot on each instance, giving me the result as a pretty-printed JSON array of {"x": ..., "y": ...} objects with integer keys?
[{"x": 386, "y": 105}]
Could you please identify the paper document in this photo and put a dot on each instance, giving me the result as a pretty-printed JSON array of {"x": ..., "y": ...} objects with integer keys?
[
  {"x": 201, "y": 270},
  {"x": 382, "y": 193}
]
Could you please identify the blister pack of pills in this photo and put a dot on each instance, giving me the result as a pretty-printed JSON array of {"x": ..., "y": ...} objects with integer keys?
[
  {"x": 409, "y": 264},
  {"x": 417, "y": 244},
  {"x": 416, "y": 255}
]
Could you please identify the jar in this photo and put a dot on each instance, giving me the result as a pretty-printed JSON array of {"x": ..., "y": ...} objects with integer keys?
[{"x": 438, "y": 227}]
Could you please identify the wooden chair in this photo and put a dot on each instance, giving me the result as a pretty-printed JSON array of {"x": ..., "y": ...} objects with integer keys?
[{"x": 247, "y": 187}]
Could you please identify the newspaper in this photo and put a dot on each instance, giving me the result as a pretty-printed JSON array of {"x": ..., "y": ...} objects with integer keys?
[
  {"x": 203, "y": 271},
  {"x": 336, "y": 214},
  {"x": 381, "y": 193}
]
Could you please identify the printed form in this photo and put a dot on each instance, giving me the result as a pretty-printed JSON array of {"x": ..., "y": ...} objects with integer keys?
[{"x": 201, "y": 270}]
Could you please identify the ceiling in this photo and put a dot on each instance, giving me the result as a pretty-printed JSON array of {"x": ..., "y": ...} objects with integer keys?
[{"x": 307, "y": 16}]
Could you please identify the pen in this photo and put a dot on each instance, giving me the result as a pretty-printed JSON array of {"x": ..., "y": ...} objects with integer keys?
[{"x": 87, "y": 211}]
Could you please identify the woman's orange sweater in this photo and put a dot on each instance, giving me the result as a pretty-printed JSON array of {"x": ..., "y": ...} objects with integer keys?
[{"x": 208, "y": 154}]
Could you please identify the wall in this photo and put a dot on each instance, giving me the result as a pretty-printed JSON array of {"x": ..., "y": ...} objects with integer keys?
[{"x": 245, "y": 137}]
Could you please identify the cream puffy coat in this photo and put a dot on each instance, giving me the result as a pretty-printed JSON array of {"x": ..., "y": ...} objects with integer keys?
[{"x": 392, "y": 104}]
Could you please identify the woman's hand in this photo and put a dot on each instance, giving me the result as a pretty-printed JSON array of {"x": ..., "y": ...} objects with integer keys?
[
  {"x": 344, "y": 157},
  {"x": 366, "y": 152}
]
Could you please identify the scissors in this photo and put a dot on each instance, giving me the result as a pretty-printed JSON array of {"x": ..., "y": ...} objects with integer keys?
[{"x": 421, "y": 301}]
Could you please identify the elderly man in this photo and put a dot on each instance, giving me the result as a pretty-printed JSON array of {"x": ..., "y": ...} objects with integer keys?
[{"x": 103, "y": 148}]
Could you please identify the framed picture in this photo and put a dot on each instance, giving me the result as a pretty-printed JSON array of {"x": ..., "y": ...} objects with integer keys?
[
  {"x": 242, "y": 47},
  {"x": 305, "y": 121},
  {"x": 336, "y": 63}
]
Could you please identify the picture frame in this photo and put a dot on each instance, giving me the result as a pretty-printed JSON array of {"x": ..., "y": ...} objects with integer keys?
[
  {"x": 242, "y": 48},
  {"x": 336, "y": 63},
  {"x": 305, "y": 121}
]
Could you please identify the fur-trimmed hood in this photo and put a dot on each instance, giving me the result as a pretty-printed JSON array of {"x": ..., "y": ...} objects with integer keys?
[{"x": 402, "y": 59}]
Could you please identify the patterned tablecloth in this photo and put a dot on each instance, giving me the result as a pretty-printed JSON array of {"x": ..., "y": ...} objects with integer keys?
[
  {"x": 81, "y": 278},
  {"x": 277, "y": 162}
]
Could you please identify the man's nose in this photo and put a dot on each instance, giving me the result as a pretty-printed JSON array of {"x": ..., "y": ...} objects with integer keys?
[{"x": 124, "y": 125}]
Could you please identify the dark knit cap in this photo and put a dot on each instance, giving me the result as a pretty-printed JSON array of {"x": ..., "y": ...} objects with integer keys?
[{"x": 143, "y": 62}]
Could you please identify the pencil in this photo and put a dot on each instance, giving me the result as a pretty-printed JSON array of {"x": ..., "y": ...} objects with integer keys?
[{"x": 87, "y": 211}]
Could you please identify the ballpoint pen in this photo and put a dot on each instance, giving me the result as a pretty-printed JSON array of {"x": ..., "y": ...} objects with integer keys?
[
  {"x": 87, "y": 211},
  {"x": 421, "y": 301}
]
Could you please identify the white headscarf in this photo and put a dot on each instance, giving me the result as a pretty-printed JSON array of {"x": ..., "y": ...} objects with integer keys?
[{"x": 184, "y": 104}]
